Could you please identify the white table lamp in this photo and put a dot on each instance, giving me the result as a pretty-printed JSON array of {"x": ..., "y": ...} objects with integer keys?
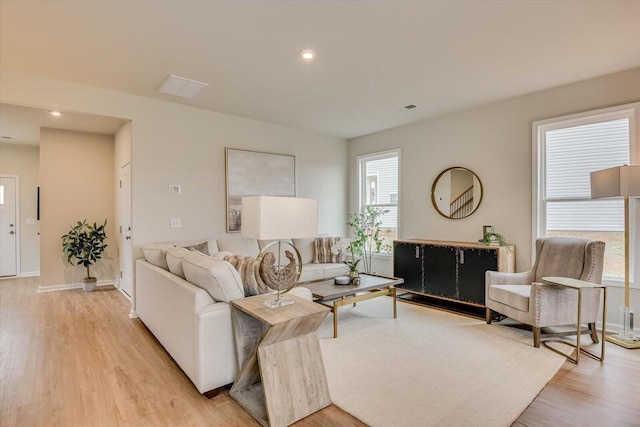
[
  {"x": 277, "y": 218},
  {"x": 620, "y": 181}
]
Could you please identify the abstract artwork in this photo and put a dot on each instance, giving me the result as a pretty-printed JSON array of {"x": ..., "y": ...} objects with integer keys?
[{"x": 252, "y": 173}]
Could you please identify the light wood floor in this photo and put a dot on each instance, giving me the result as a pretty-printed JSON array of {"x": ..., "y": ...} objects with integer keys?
[{"x": 70, "y": 358}]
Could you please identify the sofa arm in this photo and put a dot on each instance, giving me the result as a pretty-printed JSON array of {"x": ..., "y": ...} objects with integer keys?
[
  {"x": 302, "y": 292},
  {"x": 214, "y": 356}
]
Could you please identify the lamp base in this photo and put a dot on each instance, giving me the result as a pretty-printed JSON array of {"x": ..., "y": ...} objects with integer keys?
[
  {"x": 626, "y": 342},
  {"x": 625, "y": 338},
  {"x": 275, "y": 303}
]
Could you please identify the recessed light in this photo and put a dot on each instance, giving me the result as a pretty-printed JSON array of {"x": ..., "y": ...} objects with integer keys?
[
  {"x": 307, "y": 54},
  {"x": 410, "y": 107},
  {"x": 55, "y": 113}
]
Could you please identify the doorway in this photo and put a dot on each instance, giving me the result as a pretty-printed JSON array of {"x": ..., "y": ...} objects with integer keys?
[{"x": 8, "y": 226}]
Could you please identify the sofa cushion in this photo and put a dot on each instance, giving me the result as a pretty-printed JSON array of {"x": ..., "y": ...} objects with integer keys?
[
  {"x": 311, "y": 272},
  {"x": 285, "y": 246},
  {"x": 516, "y": 296},
  {"x": 200, "y": 247},
  {"x": 213, "y": 246},
  {"x": 305, "y": 247},
  {"x": 217, "y": 277},
  {"x": 247, "y": 247},
  {"x": 156, "y": 254},
  {"x": 174, "y": 260},
  {"x": 330, "y": 270},
  {"x": 322, "y": 250}
]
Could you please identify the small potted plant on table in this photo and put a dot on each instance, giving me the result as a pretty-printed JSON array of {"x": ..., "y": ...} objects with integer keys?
[{"x": 84, "y": 245}]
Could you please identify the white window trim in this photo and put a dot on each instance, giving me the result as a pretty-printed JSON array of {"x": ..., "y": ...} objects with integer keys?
[
  {"x": 538, "y": 129},
  {"x": 362, "y": 186}
]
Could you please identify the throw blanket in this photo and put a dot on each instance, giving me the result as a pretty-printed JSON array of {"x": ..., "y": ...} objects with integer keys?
[{"x": 245, "y": 267}]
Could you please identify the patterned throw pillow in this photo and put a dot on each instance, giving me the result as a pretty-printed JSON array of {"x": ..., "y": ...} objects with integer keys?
[
  {"x": 244, "y": 266},
  {"x": 322, "y": 250}
]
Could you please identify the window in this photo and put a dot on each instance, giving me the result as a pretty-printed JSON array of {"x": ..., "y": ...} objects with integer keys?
[
  {"x": 566, "y": 150},
  {"x": 379, "y": 188}
]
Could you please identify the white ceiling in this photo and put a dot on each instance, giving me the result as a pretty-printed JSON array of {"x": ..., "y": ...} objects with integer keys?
[
  {"x": 374, "y": 57},
  {"x": 21, "y": 125}
]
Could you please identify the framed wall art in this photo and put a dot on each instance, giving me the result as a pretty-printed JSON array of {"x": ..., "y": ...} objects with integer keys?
[{"x": 252, "y": 173}]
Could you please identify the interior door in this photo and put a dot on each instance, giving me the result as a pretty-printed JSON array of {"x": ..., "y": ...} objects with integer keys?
[
  {"x": 126, "y": 261},
  {"x": 8, "y": 227}
]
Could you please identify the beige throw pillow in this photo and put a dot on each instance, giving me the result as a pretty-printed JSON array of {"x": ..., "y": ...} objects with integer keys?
[
  {"x": 217, "y": 277},
  {"x": 174, "y": 260}
]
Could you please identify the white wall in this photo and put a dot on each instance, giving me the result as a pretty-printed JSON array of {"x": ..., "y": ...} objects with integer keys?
[
  {"x": 494, "y": 141},
  {"x": 76, "y": 173},
  {"x": 23, "y": 161},
  {"x": 175, "y": 144}
]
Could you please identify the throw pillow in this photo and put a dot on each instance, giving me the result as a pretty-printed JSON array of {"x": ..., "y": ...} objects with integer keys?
[
  {"x": 157, "y": 255},
  {"x": 174, "y": 260},
  {"x": 217, "y": 277},
  {"x": 245, "y": 267},
  {"x": 200, "y": 247},
  {"x": 322, "y": 250}
]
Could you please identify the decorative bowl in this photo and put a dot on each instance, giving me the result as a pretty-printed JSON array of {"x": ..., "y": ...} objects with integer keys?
[{"x": 342, "y": 280}]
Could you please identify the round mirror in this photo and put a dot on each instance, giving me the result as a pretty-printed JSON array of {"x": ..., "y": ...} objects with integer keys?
[{"x": 456, "y": 193}]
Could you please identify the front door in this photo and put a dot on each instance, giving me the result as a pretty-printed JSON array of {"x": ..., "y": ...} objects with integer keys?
[{"x": 8, "y": 227}]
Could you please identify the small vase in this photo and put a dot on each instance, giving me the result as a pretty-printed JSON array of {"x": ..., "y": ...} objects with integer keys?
[{"x": 355, "y": 277}]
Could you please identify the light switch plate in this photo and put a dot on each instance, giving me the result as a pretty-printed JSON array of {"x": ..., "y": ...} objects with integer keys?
[
  {"x": 176, "y": 222},
  {"x": 32, "y": 221}
]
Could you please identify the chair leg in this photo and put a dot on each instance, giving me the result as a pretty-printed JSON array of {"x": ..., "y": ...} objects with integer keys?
[
  {"x": 536, "y": 337},
  {"x": 489, "y": 316},
  {"x": 594, "y": 333}
]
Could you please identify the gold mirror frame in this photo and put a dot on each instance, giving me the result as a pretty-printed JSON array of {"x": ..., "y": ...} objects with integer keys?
[{"x": 461, "y": 207}]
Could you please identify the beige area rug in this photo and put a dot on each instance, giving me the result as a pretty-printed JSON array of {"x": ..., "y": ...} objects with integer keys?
[{"x": 430, "y": 368}]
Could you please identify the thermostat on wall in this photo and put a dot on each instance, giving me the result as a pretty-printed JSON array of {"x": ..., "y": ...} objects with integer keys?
[{"x": 175, "y": 189}]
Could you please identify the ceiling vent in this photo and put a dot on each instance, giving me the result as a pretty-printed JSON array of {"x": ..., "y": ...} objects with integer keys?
[{"x": 181, "y": 86}]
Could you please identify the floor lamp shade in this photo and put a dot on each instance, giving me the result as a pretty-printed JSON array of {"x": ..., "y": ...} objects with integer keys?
[
  {"x": 273, "y": 218},
  {"x": 616, "y": 182},
  {"x": 624, "y": 182}
]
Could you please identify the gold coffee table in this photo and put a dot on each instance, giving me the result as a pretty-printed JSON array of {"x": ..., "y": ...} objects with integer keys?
[{"x": 326, "y": 292}]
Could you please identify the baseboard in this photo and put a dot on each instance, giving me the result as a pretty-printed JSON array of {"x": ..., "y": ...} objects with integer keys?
[
  {"x": 67, "y": 286},
  {"x": 29, "y": 274},
  {"x": 616, "y": 328}
]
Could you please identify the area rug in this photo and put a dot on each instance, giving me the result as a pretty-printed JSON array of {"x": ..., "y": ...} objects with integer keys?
[{"x": 430, "y": 368}]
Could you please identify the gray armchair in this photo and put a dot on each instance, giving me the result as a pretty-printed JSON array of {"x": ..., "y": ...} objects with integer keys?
[{"x": 523, "y": 296}]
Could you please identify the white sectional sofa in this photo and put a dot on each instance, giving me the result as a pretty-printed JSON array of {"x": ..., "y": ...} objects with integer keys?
[{"x": 191, "y": 324}]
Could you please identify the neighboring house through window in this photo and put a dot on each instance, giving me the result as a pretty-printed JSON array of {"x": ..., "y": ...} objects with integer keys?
[
  {"x": 378, "y": 187},
  {"x": 566, "y": 150}
]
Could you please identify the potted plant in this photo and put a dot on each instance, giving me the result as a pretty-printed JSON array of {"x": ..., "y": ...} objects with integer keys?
[
  {"x": 340, "y": 247},
  {"x": 366, "y": 230},
  {"x": 493, "y": 239},
  {"x": 84, "y": 245}
]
